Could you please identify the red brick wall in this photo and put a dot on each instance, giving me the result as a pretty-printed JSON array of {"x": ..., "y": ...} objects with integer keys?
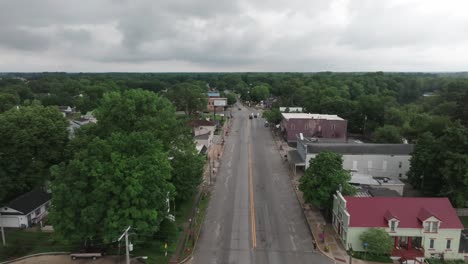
[{"x": 315, "y": 128}]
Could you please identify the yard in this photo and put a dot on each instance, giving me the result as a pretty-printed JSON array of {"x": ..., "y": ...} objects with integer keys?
[
  {"x": 464, "y": 220},
  {"x": 26, "y": 242},
  {"x": 30, "y": 241}
]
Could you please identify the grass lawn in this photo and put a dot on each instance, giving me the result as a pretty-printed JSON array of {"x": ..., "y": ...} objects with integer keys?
[
  {"x": 21, "y": 242},
  {"x": 464, "y": 220}
]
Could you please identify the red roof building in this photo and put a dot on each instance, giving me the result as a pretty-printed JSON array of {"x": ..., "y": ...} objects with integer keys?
[{"x": 419, "y": 227}]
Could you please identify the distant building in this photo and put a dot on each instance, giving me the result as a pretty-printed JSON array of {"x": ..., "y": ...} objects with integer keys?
[
  {"x": 378, "y": 160},
  {"x": 66, "y": 110},
  {"x": 313, "y": 125},
  {"x": 290, "y": 109},
  {"x": 419, "y": 227},
  {"x": 215, "y": 102},
  {"x": 203, "y": 131}
]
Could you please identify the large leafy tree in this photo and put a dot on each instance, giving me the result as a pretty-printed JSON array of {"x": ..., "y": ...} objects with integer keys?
[
  {"x": 378, "y": 241},
  {"x": 32, "y": 139},
  {"x": 323, "y": 178},
  {"x": 260, "y": 92},
  {"x": 439, "y": 165},
  {"x": 112, "y": 183},
  {"x": 387, "y": 134},
  {"x": 137, "y": 111},
  {"x": 188, "y": 168},
  {"x": 188, "y": 97}
]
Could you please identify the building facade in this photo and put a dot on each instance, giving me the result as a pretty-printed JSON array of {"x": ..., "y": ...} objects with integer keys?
[
  {"x": 377, "y": 160},
  {"x": 419, "y": 227},
  {"x": 313, "y": 125}
]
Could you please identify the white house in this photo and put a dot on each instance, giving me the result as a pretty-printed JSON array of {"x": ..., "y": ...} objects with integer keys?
[
  {"x": 419, "y": 227},
  {"x": 25, "y": 210},
  {"x": 377, "y": 160}
]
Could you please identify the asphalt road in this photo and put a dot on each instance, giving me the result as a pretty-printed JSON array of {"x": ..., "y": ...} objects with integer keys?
[{"x": 253, "y": 215}]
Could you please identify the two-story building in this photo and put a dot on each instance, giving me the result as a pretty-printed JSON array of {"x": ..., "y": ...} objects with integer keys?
[
  {"x": 419, "y": 227},
  {"x": 313, "y": 125},
  {"x": 378, "y": 160},
  {"x": 215, "y": 102}
]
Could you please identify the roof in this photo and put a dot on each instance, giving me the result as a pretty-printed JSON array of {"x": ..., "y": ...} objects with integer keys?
[
  {"x": 288, "y": 116},
  {"x": 27, "y": 202},
  {"x": 383, "y": 192},
  {"x": 213, "y": 94},
  {"x": 203, "y": 136},
  {"x": 201, "y": 122},
  {"x": 371, "y": 211},
  {"x": 364, "y": 148}
]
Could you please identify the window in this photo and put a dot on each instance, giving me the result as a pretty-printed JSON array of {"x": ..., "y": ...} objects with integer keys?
[
  {"x": 427, "y": 226},
  {"x": 449, "y": 243},
  {"x": 392, "y": 226},
  {"x": 399, "y": 175},
  {"x": 354, "y": 165},
  {"x": 431, "y": 243},
  {"x": 384, "y": 165},
  {"x": 38, "y": 211},
  {"x": 434, "y": 226},
  {"x": 400, "y": 164}
]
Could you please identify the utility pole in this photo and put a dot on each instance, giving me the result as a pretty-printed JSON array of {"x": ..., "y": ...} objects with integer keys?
[
  {"x": 127, "y": 251},
  {"x": 3, "y": 231}
]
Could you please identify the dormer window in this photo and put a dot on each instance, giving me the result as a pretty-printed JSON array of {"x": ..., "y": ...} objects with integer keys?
[
  {"x": 431, "y": 227},
  {"x": 393, "y": 225}
]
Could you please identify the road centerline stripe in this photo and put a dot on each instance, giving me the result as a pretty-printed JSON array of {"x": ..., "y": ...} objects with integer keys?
[{"x": 252, "y": 203}]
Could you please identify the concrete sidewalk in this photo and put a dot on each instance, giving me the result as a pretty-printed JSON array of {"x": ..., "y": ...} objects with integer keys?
[{"x": 330, "y": 246}]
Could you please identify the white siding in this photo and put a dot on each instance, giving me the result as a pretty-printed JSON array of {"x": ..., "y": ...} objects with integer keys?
[{"x": 374, "y": 164}]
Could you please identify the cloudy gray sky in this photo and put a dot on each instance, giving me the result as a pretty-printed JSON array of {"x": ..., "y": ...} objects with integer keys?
[{"x": 233, "y": 35}]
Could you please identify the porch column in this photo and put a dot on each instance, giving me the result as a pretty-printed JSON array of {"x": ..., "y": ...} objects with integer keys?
[
  {"x": 395, "y": 245},
  {"x": 409, "y": 243}
]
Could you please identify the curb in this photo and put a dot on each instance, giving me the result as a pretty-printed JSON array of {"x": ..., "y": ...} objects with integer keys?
[
  {"x": 36, "y": 255},
  {"x": 194, "y": 244}
]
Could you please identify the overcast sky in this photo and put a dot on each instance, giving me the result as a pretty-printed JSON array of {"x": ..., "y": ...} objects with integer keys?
[{"x": 230, "y": 35}]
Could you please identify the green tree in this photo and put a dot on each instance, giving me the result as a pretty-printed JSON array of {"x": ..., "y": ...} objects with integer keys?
[
  {"x": 379, "y": 242},
  {"x": 387, "y": 134},
  {"x": 231, "y": 98},
  {"x": 260, "y": 92},
  {"x": 138, "y": 111},
  {"x": 8, "y": 101},
  {"x": 323, "y": 178},
  {"x": 188, "y": 97},
  {"x": 273, "y": 116},
  {"x": 188, "y": 168},
  {"x": 32, "y": 139},
  {"x": 111, "y": 184},
  {"x": 439, "y": 165}
]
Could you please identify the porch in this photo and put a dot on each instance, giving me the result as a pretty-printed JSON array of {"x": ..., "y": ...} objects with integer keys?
[{"x": 408, "y": 248}]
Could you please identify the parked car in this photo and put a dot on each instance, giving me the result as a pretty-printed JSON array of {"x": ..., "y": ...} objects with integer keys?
[
  {"x": 239, "y": 108},
  {"x": 251, "y": 116},
  {"x": 256, "y": 115},
  {"x": 91, "y": 252},
  {"x": 267, "y": 124}
]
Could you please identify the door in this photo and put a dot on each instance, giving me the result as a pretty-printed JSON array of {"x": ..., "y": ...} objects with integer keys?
[{"x": 9, "y": 221}]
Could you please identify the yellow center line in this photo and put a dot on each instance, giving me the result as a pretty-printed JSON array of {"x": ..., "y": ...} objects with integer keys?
[{"x": 252, "y": 204}]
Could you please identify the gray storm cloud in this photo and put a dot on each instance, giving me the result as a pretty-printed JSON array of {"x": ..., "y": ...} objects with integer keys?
[{"x": 214, "y": 35}]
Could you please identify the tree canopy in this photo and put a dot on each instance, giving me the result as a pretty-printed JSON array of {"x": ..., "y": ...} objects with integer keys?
[
  {"x": 188, "y": 97},
  {"x": 439, "y": 165},
  {"x": 323, "y": 178},
  {"x": 113, "y": 183},
  {"x": 32, "y": 139}
]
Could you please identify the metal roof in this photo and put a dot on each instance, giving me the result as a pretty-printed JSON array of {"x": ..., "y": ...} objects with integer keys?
[
  {"x": 288, "y": 116},
  {"x": 345, "y": 148}
]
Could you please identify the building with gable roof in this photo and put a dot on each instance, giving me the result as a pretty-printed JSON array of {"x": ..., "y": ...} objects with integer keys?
[
  {"x": 25, "y": 210},
  {"x": 420, "y": 227}
]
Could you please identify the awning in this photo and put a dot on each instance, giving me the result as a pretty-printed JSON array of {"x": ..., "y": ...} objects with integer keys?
[{"x": 295, "y": 158}]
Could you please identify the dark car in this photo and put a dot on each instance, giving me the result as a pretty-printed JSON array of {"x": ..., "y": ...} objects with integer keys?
[{"x": 239, "y": 108}]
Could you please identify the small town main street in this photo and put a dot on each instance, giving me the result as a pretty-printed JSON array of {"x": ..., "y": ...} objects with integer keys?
[{"x": 253, "y": 215}]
